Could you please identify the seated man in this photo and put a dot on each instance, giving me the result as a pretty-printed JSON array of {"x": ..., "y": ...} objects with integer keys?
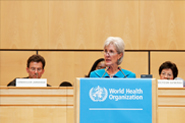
[{"x": 35, "y": 68}]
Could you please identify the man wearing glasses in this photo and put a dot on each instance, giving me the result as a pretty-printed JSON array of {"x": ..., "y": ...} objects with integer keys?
[{"x": 35, "y": 68}]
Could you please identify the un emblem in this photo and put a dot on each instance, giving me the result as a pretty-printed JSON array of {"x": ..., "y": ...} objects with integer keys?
[{"x": 98, "y": 94}]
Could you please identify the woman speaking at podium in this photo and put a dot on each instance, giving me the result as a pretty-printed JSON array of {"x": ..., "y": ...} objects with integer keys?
[{"x": 113, "y": 54}]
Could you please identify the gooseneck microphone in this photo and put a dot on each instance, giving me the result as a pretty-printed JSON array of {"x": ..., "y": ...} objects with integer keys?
[
  {"x": 105, "y": 71},
  {"x": 122, "y": 72}
]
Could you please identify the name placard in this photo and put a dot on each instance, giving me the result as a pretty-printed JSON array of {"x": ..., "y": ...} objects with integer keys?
[
  {"x": 170, "y": 83},
  {"x": 31, "y": 82}
]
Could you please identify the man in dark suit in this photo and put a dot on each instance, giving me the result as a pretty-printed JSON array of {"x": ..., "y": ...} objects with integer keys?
[{"x": 35, "y": 68}]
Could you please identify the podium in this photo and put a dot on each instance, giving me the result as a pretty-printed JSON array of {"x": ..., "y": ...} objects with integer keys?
[{"x": 115, "y": 100}]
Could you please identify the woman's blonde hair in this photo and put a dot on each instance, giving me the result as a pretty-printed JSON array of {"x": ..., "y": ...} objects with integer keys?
[{"x": 119, "y": 45}]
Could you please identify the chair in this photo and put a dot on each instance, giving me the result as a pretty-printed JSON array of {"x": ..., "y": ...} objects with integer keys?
[{"x": 65, "y": 83}]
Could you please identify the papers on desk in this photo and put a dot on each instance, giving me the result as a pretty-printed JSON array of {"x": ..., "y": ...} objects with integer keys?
[
  {"x": 31, "y": 82},
  {"x": 170, "y": 83}
]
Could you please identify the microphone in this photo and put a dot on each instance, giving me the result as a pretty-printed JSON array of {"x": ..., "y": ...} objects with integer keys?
[
  {"x": 105, "y": 71},
  {"x": 122, "y": 71}
]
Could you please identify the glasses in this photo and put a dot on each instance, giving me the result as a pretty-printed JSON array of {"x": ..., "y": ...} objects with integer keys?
[
  {"x": 34, "y": 69},
  {"x": 111, "y": 53},
  {"x": 166, "y": 74}
]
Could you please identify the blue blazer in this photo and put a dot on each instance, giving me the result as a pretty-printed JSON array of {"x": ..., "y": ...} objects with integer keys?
[{"x": 99, "y": 73}]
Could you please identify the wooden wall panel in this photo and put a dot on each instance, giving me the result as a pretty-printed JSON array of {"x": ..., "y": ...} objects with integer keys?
[
  {"x": 79, "y": 63},
  {"x": 24, "y": 24},
  {"x": 12, "y": 65},
  {"x": 162, "y": 25},
  {"x": 87, "y": 24},
  {"x": 157, "y": 58},
  {"x": 66, "y": 66},
  {"x": 136, "y": 62}
]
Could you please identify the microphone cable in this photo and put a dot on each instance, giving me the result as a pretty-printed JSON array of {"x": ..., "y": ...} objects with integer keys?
[
  {"x": 122, "y": 72},
  {"x": 105, "y": 71}
]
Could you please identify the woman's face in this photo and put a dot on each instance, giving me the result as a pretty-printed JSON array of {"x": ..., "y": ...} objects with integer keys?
[
  {"x": 111, "y": 55},
  {"x": 101, "y": 65},
  {"x": 166, "y": 74}
]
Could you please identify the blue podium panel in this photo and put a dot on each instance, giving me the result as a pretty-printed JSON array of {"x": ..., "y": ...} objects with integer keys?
[{"x": 115, "y": 100}]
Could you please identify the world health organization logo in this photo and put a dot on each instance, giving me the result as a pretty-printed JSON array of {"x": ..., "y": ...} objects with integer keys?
[{"x": 98, "y": 94}]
